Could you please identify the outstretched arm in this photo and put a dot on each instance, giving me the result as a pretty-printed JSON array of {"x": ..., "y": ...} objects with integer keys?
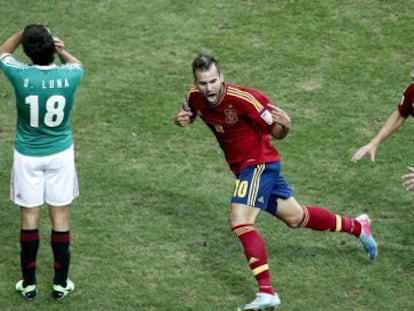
[
  {"x": 11, "y": 44},
  {"x": 391, "y": 125}
]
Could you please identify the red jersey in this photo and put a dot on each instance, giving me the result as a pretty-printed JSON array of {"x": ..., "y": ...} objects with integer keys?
[
  {"x": 406, "y": 106},
  {"x": 241, "y": 123}
]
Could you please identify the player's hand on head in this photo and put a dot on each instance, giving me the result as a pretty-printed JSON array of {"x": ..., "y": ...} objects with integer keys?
[{"x": 59, "y": 44}]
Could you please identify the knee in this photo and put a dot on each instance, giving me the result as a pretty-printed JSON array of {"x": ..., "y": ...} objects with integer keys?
[
  {"x": 60, "y": 218},
  {"x": 293, "y": 221},
  {"x": 241, "y": 214},
  {"x": 235, "y": 222},
  {"x": 30, "y": 218}
]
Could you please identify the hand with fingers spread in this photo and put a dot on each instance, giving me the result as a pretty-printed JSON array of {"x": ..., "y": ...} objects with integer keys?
[
  {"x": 368, "y": 148},
  {"x": 409, "y": 179},
  {"x": 394, "y": 122}
]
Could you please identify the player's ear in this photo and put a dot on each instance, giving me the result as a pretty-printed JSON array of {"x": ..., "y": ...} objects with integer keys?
[{"x": 221, "y": 77}]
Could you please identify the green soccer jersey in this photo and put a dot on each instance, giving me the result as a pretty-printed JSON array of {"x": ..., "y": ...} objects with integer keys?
[{"x": 44, "y": 100}]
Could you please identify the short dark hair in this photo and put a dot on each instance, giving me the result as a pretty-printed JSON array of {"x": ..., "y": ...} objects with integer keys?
[
  {"x": 204, "y": 62},
  {"x": 38, "y": 44}
]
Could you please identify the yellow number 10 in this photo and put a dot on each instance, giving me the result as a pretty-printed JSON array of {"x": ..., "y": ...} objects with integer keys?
[{"x": 240, "y": 190}]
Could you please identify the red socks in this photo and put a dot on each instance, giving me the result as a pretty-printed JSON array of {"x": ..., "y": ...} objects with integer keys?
[
  {"x": 255, "y": 251},
  {"x": 320, "y": 219},
  {"x": 315, "y": 218}
]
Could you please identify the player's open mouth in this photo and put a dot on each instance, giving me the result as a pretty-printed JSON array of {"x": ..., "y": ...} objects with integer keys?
[{"x": 211, "y": 96}]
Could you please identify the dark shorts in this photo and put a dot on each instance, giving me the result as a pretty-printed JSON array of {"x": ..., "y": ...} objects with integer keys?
[{"x": 260, "y": 185}]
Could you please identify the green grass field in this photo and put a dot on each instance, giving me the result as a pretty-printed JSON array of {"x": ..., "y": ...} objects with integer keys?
[{"x": 150, "y": 228}]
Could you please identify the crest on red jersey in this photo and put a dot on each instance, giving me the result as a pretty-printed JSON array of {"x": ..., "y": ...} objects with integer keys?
[{"x": 231, "y": 116}]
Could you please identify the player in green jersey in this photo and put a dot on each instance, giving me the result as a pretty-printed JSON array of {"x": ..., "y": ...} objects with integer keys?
[{"x": 43, "y": 161}]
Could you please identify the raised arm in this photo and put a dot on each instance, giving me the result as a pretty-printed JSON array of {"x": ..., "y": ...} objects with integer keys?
[
  {"x": 11, "y": 44},
  {"x": 64, "y": 56}
]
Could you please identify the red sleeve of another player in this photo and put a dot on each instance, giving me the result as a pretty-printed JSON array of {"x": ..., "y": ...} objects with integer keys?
[{"x": 406, "y": 105}]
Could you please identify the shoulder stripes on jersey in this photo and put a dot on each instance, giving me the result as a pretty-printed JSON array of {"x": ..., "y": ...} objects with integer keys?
[
  {"x": 10, "y": 61},
  {"x": 72, "y": 66},
  {"x": 246, "y": 96},
  {"x": 193, "y": 90}
]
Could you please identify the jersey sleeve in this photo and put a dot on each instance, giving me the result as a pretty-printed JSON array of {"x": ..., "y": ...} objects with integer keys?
[
  {"x": 405, "y": 107},
  {"x": 189, "y": 103},
  {"x": 74, "y": 71},
  {"x": 9, "y": 64},
  {"x": 259, "y": 111}
]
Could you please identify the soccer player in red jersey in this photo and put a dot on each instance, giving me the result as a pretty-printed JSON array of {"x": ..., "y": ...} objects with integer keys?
[
  {"x": 243, "y": 121},
  {"x": 404, "y": 109}
]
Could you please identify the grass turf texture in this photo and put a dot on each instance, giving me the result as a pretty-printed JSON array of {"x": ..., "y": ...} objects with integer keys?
[{"x": 150, "y": 228}]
